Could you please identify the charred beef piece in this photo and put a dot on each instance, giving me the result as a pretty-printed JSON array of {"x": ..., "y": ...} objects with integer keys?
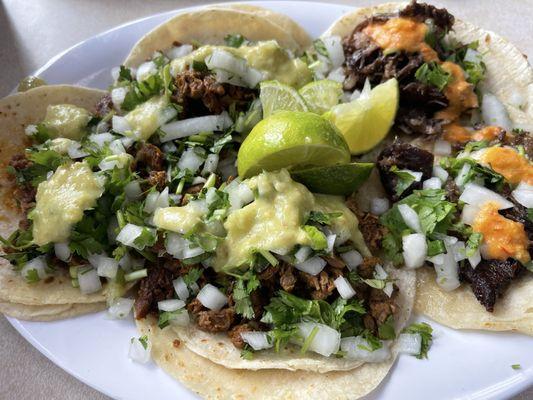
[
  {"x": 335, "y": 261},
  {"x": 104, "y": 106},
  {"x": 382, "y": 306},
  {"x": 216, "y": 321},
  {"x": 149, "y": 158},
  {"x": 235, "y": 332},
  {"x": 372, "y": 231},
  {"x": 452, "y": 191},
  {"x": 287, "y": 280},
  {"x": 417, "y": 121},
  {"x": 320, "y": 286},
  {"x": 155, "y": 287},
  {"x": 23, "y": 193},
  {"x": 157, "y": 179},
  {"x": 403, "y": 156},
  {"x": 199, "y": 93},
  {"x": 524, "y": 139},
  {"x": 490, "y": 279},
  {"x": 442, "y": 19}
]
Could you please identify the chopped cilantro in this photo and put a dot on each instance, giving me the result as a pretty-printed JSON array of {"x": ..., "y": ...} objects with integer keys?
[
  {"x": 139, "y": 92},
  {"x": 425, "y": 331},
  {"x": 199, "y": 66},
  {"x": 433, "y": 74},
  {"x": 386, "y": 330},
  {"x": 473, "y": 242},
  {"x": 192, "y": 276},
  {"x": 405, "y": 179},
  {"x": 322, "y": 218},
  {"x": 220, "y": 143},
  {"x": 167, "y": 316},
  {"x": 373, "y": 342},
  {"x": 244, "y": 286},
  {"x": 234, "y": 40},
  {"x": 436, "y": 247},
  {"x": 247, "y": 353},
  {"x": 516, "y": 366},
  {"x": 318, "y": 239},
  {"x": 125, "y": 74},
  {"x": 148, "y": 237},
  {"x": 32, "y": 276},
  {"x": 144, "y": 341},
  {"x": 320, "y": 48}
]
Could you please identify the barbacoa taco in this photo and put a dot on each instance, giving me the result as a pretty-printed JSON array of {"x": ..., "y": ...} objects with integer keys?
[{"x": 456, "y": 169}]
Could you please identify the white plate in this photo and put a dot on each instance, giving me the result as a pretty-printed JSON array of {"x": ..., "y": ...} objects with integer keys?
[{"x": 462, "y": 365}]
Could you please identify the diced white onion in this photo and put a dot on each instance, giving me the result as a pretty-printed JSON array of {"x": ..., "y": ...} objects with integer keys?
[
  {"x": 100, "y": 139},
  {"x": 337, "y": 75},
  {"x": 344, "y": 288},
  {"x": 170, "y": 305},
  {"x": 212, "y": 298},
  {"x": 146, "y": 70},
  {"x": 410, "y": 343},
  {"x": 105, "y": 266},
  {"x": 355, "y": 95},
  {"x": 74, "y": 151},
  {"x": 312, "y": 266},
  {"x": 477, "y": 195},
  {"x": 414, "y": 250},
  {"x": 475, "y": 259},
  {"x": 352, "y": 259},
  {"x": 410, "y": 217},
  {"x": 379, "y": 205},
  {"x": 181, "y": 288},
  {"x": 162, "y": 199},
  {"x": 179, "y": 51},
  {"x": 191, "y": 252},
  {"x": 210, "y": 164},
  {"x": 442, "y": 148},
  {"x": 176, "y": 245},
  {"x": 115, "y": 161},
  {"x": 38, "y": 264},
  {"x": 62, "y": 251},
  {"x": 151, "y": 202},
  {"x": 326, "y": 340},
  {"x": 330, "y": 240},
  {"x": 224, "y": 60},
  {"x": 355, "y": 348},
  {"x": 117, "y": 96},
  {"x": 524, "y": 194},
  {"x": 89, "y": 281},
  {"x": 440, "y": 173},
  {"x": 432, "y": 183},
  {"x": 379, "y": 272},
  {"x": 117, "y": 147},
  {"x": 494, "y": 112},
  {"x": 120, "y": 308},
  {"x": 448, "y": 273},
  {"x": 120, "y": 124},
  {"x": 256, "y": 340},
  {"x": 333, "y": 45},
  {"x": 190, "y": 160},
  {"x": 469, "y": 213},
  {"x": 133, "y": 190},
  {"x": 303, "y": 254},
  {"x": 193, "y": 126},
  {"x": 127, "y": 142},
  {"x": 458, "y": 250},
  {"x": 223, "y": 76},
  {"x": 137, "y": 351},
  {"x": 128, "y": 234},
  {"x": 462, "y": 175},
  {"x": 115, "y": 72}
]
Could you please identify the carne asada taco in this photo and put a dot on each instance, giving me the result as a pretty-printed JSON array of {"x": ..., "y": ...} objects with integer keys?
[
  {"x": 457, "y": 166},
  {"x": 50, "y": 294}
]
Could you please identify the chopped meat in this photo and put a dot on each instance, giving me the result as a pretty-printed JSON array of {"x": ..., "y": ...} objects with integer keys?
[
  {"x": 150, "y": 157},
  {"x": 235, "y": 332},
  {"x": 403, "y": 156},
  {"x": 370, "y": 323},
  {"x": 287, "y": 280},
  {"x": 490, "y": 279},
  {"x": 335, "y": 261},
  {"x": 372, "y": 231},
  {"x": 20, "y": 162},
  {"x": 155, "y": 287},
  {"x": 382, "y": 306},
  {"x": 366, "y": 269},
  {"x": 321, "y": 285},
  {"x": 194, "y": 189},
  {"x": 420, "y": 95},
  {"x": 216, "y": 321},
  {"x": 195, "y": 307},
  {"x": 157, "y": 179},
  {"x": 104, "y": 106},
  {"x": 23, "y": 193},
  {"x": 417, "y": 121},
  {"x": 199, "y": 93},
  {"x": 421, "y": 12},
  {"x": 524, "y": 139},
  {"x": 452, "y": 191}
]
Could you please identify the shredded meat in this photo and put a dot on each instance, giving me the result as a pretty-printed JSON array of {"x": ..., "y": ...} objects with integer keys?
[
  {"x": 321, "y": 285},
  {"x": 157, "y": 179},
  {"x": 199, "y": 93},
  {"x": 403, "y": 156},
  {"x": 216, "y": 321},
  {"x": 490, "y": 279},
  {"x": 104, "y": 106},
  {"x": 23, "y": 193},
  {"x": 452, "y": 191},
  {"x": 382, "y": 306},
  {"x": 366, "y": 60},
  {"x": 524, "y": 139},
  {"x": 372, "y": 231},
  {"x": 287, "y": 280},
  {"x": 195, "y": 307},
  {"x": 148, "y": 157},
  {"x": 335, "y": 261},
  {"x": 155, "y": 287}
]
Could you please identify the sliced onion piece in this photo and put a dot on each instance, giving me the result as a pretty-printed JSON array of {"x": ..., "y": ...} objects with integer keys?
[
  {"x": 170, "y": 305},
  {"x": 133, "y": 190},
  {"x": 129, "y": 233},
  {"x": 355, "y": 348},
  {"x": 344, "y": 288},
  {"x": 138, "y": 352},
  {"x": 494, "y": 112},
  {"x": 432, "y": 183},
  {"x": 475, "y": 259},
  {"x": 477, "y": 195},
  {"x": 117, "y": 147},
  {"x": 462, "y": 175},
  {"x": 410, "y": 343},
  {"x": 326, "y": 340},
  {"x": 190, "y": 160},
  {"x": 379, "y": 205},
  {"x": 313, "y": 266},
  {"x": 105, "y": 266},
  {"x": 176, "y": 245},
  {"x": 303, "y": 254},
  {"x": 337, "y": 75},
  {"x": 179, "y": 51},
  {"x": 180, "y": 288},
  {"x": 89, "y": 281},
  {"x": 224, "y": 60},
  {"x": 62, "y": 251},
  {"x": 256, "y": 340},
  {"x": 410, "y": 217},
  {"x": 212, "y": 298},
  {"x": 146, "y": 70},
  {"x": 117, "y": 96},
  {"x": 38, "y": 264},
  {"x": 120, "y": 308},
  {"x": 352, "y": 259},
  {"x": 193, "y": 126},
  {"x": 524, "y": 194},
  {"x": 442, "y": 148},
  {"x": 330, "y": 240},
  {"x": 100, "y": 139},
  {"x": 440, "y": 173},
  {"x": 448, "y": 273},
  {"x": 335, "y": 51},
  {"x": 469, "y": 213},
  {"x": 120, "y": 124},
  {"x": 210, "y": 165}
]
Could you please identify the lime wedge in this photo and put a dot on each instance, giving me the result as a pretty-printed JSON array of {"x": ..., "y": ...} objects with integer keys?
[
  {"x": 366, "y": 121},
  {"x": 321, "y": 95},
  {"x": 277, "y": 96},
  {"x": 291, "y": 140},
  {"x": 337, "y": 179}
]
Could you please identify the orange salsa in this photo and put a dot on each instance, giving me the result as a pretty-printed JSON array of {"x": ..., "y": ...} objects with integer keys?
[{"x": 506, "y": 161}]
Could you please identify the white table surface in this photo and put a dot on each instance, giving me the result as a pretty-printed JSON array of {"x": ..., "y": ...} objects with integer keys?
[{"x": 33, "y": 31}]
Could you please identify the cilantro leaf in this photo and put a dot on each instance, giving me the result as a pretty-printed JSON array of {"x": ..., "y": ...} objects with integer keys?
[
  {"x": 516, "y": 366},
  {"x": 147, "y": 238},
  {"x": 405, "y": 179},
  {"x": 220, "y": 143},
  {"x": 318, "y": 239},
  {"x": 322, "y": 218},
  {"x": 386, "y": 330},
  {"x": 433, "y": 74},
  {"x": 425, "y": 331},
  {"x": 473, "y": 243},
  {"x": 192, "y": 276},
  {"x": 234, "y": 40},
  {"x": 320, "y": 48},
  {"x": 244, "y": 286},
  {"x": 166, "y": 316},
  {"x": 144, "y": 341}
]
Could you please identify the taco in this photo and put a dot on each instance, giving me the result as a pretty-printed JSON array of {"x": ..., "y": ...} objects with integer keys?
[
  {"x": 457, "y": 165},
  {"x": 53, "y": 296}
]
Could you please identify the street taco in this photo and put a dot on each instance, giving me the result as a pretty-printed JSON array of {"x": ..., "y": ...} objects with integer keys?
[{"x": 457, "y": 165}]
